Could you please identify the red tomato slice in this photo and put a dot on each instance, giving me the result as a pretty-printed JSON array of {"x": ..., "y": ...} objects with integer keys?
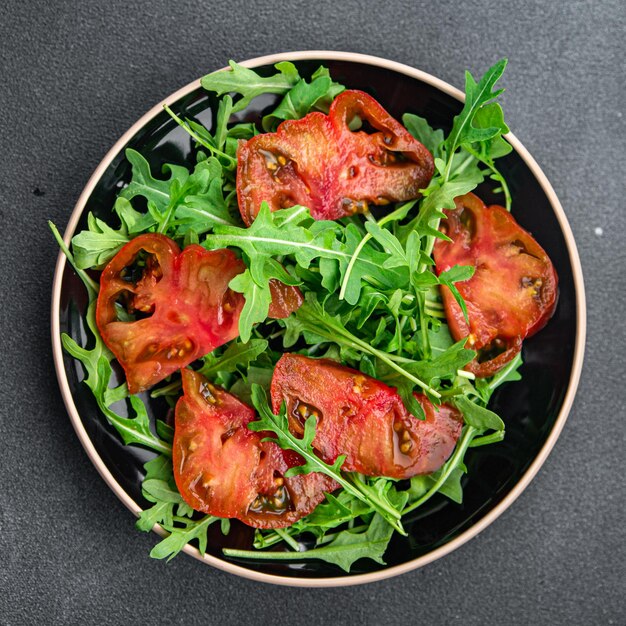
[
  {"x": 513, "y": 292},
  {"x": 222, "y": 468},
  {"x": 182, "y": 304},
  {"x": 363, "y": 418},
  {"x": 320, "y": 163}
]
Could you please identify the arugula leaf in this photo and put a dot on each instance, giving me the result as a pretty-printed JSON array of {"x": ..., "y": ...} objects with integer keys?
[
  {"x": 292, "y": 232},
  {"x": 179, "y": 537},
  {"x": 457, "y": 172},
  {"x": 509, "y": 373},
  {"x": 478, "y": 417},
  {"x": 383, "y": 237},
  {"x": 458, "y": 273},
  {"x": 405, "y": 390},
  {"x": 249, "y": 84},
  {"x": 417, "y": 495},
  {"x": 423, "y": 132},
  {"x": 239, "y": 354},
  {"x": 97, "y": 364},
  {"x": 477, "y": 95},
  {"x": 224, "y": 111},
  {"x": 302, "y": 97},
  {"x": 201, "y": 204},
  {"x": 99, "y": 244},
  {"x": 96, "y": 246},
  {"x": 154, "y": 190},
  {"x": 492, "y": 116},
  {"x": 258, "y": 298},
  {"x": 344, "y": 550},
  {"x": 451, "y": 487}
]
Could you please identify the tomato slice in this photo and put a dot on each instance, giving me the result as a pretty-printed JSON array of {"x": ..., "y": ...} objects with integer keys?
[
  {"x": 181, "y": 302},
  {"x": 513, "y": 292},
  {"x": 318, "y": 162},
  {"x": 363, "y": 418},
  {"x": 222, "y": 468}
]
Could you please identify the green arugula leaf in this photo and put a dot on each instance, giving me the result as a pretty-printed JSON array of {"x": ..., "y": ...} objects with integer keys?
[
  {"x": 303, "y": 97},
  {"x": 509, "y": 373},
  {"x": 224, "y": 111},
  {"x": 179, "y": 537},
  {"x": 96, "y": 246},
  {"x": 477, "y": 95},
  {"x": 239, "y": 354},
  {"x": 97, "y": 365},
  {"x": 444, "y": 366},
  {"x": 422, "y": 131},
  {"x": 344, "y": 550},
  {"x": 492, "y": 116},
  {"x": 405, "y": 390},
  {"x": 451, "y": 487},
  {"x": 478, "y": 417},
  {"x": 458, "y": 273},
  {"x": 200, "y": 204},
  {"x": 257, "y": 302},
  {"x": 154, "y": 190},
  {"x": 249, "y": 84}
]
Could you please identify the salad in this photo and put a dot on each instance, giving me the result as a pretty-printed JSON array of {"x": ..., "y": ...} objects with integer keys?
[{"x": 324, "y": 304}]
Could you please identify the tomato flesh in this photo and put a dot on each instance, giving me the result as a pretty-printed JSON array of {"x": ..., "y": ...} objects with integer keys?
[
  {"x": 363, "y": 418},
  {"x": 318, "y": 162},
  {"x": 224, "y": 469},
  {"x": 513, "y": 291},
  {"x": 181, "y": 302}
]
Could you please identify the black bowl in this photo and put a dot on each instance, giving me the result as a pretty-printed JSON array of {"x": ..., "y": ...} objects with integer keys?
[{"x": 534, "y": 409}]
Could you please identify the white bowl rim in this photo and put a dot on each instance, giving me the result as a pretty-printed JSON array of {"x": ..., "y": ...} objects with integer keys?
[{"x": 479, "y": 526}]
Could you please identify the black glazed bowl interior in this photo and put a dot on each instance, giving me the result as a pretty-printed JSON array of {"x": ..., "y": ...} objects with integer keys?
[{"x": 533, "y": 409}]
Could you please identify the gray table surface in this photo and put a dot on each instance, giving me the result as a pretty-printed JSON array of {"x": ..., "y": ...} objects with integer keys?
[{"x": 75, "y": 76}]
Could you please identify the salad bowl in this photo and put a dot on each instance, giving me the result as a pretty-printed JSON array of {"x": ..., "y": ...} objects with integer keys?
[{"x": 534, "y": 408}]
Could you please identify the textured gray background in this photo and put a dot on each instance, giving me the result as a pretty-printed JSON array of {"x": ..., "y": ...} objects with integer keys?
[{"x": 75, "y": 76}]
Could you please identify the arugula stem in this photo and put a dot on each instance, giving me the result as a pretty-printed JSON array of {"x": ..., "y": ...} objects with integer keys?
[
  {"x": 266, "y": 541},
  {"x": 455, "y": 460},
  {"x": 89, "y": 282},
  {"x": 512, "y": 365},
  {"x": 388, "y": 218},
  {"x": 273, "y": 556},
  {"x": 329, "y": 537},
  {"x": 169, "y": 390},
  {"x": 373, "y": 496},
  {"x": 287, "y": 538},
  {"x": 504, "y": 188},
  {"x": 390, "y": 361},
  {"x": 149, "y": 441},
  {"x": 357, "y": 489},
  {"x": 197, "y": 137},
  {"x": 465, "y": 374},
  {"x": 487, "y": 439},
  {"x": 313, "y": 553}
]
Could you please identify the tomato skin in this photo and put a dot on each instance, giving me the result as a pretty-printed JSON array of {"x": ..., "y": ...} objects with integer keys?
[
  {"x": 363, "y": 418},
  {"x": 224, "y": 469},
  {"x": 318, "y": 162},
  {"x": 285, "y": 299},
  {"x": 513, "y": 292},
  {"x": 190, "y": 308}
]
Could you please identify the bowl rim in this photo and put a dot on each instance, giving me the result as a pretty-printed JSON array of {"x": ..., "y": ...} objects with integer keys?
[{"x": 480, "y": 525}]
